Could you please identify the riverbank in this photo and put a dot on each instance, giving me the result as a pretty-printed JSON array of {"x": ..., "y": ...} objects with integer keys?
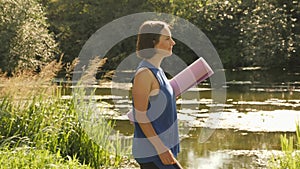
[{"x": 49, "y": 126}]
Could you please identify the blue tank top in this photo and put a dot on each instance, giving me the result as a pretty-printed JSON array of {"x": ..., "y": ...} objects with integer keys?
[{"x": 163, "y": 115}]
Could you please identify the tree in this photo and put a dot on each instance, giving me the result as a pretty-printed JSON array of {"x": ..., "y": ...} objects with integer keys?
[
  {"x": 25, "y": 41},
  {"x": 244, "y": 32},
  {"x": 217, "y": 19},
  {"x": 267, "y": 33},
  {"x": 74, "y": 21}
]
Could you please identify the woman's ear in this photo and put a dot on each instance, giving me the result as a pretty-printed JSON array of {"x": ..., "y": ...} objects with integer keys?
[{"x": 154, "y": 42}]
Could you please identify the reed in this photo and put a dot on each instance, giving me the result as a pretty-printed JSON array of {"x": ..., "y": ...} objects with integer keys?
[
  {"x": 52, "y": 124},
  {"x": 39, "y": 129},
  {"x": 291, "y": 154}
]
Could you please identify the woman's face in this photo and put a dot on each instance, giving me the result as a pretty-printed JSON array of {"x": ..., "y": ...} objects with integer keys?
[{"x": 165, "y": 43}]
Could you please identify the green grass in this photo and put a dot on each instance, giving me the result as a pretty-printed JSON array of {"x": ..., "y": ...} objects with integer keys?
[
  {"x": 49, "y": 132},
  {"x": 291, "y": 154},
  {"x": 28, "y": 158}
]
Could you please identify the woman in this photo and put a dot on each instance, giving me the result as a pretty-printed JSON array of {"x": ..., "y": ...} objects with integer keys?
[{"x": 156, "y": 140}]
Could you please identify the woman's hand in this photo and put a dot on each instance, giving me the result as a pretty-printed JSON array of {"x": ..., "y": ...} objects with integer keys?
[{"x": 167, "y": 158}]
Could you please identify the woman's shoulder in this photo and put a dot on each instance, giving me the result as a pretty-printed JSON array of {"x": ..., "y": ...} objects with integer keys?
[{"x": 143, "y": 72}]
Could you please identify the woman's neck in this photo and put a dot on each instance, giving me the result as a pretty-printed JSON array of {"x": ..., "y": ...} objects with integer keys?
[{"x": 155, "y": 61}]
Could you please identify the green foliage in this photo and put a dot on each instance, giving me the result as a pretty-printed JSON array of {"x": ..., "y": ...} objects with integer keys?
[
  {"x": 291, "y": 157},
  {"x": 30, "y": 158},
  {"x": 217, "y": 19},
  {"x": 25, "y": 41},
  {"x": 74, "y": 21},
  {"x": 244, "y": 32},
  {"x": 268, "y": 32},
  {"x": 49, "y": 123}
]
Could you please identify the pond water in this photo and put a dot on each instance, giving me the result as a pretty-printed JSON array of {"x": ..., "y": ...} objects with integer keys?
[{"x": 260, "y": 106}]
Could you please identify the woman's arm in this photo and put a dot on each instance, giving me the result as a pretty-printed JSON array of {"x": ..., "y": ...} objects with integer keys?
[{"x": 141, "y": 90}]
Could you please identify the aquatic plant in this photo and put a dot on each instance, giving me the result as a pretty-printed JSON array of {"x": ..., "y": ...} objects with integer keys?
[{"x": 291, "y": 154}]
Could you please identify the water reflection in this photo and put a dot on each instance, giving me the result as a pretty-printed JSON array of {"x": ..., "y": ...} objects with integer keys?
[
  {"x": 225, "y": 149},
  {"x": 228, "y": 149}
]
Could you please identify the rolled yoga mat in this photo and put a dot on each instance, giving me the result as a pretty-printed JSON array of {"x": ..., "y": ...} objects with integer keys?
[{"x": 192, "y": 75}]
